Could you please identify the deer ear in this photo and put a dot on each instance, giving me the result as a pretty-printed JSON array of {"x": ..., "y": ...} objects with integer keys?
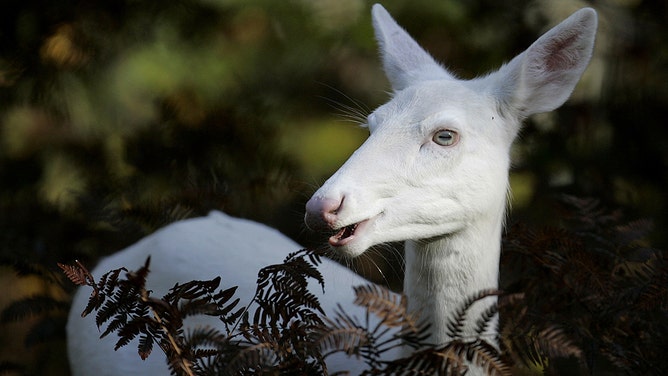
[
  {"x": 543, "y": 77},
  {"x": 405, "y": 62}
]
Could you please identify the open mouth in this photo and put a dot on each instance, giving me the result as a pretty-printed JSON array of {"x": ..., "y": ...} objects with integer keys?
[{"x": 345, "y": 235}]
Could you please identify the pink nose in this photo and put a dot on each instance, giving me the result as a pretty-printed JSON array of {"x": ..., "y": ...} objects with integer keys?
[{"x": 321, "y": 212}]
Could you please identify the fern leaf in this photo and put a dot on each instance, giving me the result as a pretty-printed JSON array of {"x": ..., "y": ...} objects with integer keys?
[
  {"x": 109, "y": 281},
  {"x": 118, "y": 322},
  {"x": 448, "y": 360},
  {"x": 78, "y": 274},
  {"x": 108, "y": 310},
  {"x": 192, "y": 290},
  {"x": 145, "y": 346},
  {"x": 222, "y": 297},
  {"x": 205, "y": 337},
  {"x": 457, "y": 322},
  {"x": 253, "y": 358},
  {"x": 138, "y": 278},
  {"x": 342, "y": 333},
  {"x": 381, "y": 302},
  {"x": 488, "y": 357},
  {"x": 127, "y": 333},
  {"x": 198, "y": 307},
  {"x": 634, "y": 232},
  {"x": 95, "y": 301},
  {"x": 557, "y": 344},
  {"x": 485, "y": 319}
]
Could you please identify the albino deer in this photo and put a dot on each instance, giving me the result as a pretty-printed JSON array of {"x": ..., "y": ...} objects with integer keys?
[
  {"x": 434, "y": 170},
  {"x": 433, "y": 173}
]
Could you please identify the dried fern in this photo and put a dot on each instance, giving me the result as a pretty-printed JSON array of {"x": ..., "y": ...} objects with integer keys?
[
  {"x": 592, "y": 289},
  {"x": 616, "y": 283},
  {"x": 282, "y": 330},
  {"x": 457, "y": 322},
  {"x": 455, "y": 358}
]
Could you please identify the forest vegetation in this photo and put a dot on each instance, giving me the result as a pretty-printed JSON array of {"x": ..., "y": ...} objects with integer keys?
[{"x": 119, "y": 117}]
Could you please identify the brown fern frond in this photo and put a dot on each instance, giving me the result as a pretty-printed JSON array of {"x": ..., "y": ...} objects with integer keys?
[
  {"x": 485, "y": 320},
  {"x": 192, "y": 290},
  {"x": 557, "y": 344},
  {"x": 457, "y": 322},
  {"x": 414, "y": 334},
  {"x": 252, "y": 359},
  {"x": 342, "y": 339},
  {"x": 585, "y": 275},
  {"x": 488, "y": 357},
  {"x": 447, "y": 360},
  {"x": 535, "y": 347},
  {"x": 642, "y": 270},
  {"x": 78, "y": 274},
  {"x": 145, "y": 346},
  {"x": 138, "y": 278},
  {"x": 295, "y": 264},
  {"x": 653, "y": 295},
  {"x": 526, "y": 350},
  {"x": 391, "y": 308},
  {"x": 128, "y": 332},
  {"x": 117, "y": 323},
  {"x": 123, "y": 301},
  {"x": 635, "y": 232},
  {"x": 109, "y": 280},
  {"x": 205, "y": 336},
  {"x": 197, "y": 307}
]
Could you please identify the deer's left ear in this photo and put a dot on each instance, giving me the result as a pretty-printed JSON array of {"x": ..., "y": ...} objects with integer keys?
[
  {"x": 405, "y": 62},
  {"x": 541, "y": 78}
]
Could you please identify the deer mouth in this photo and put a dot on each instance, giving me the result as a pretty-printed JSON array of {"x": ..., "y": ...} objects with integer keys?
[{"x": 346, "y": 234}]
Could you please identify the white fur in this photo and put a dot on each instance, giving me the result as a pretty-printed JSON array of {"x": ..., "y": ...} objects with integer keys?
[{"x": 446, "y": 202}]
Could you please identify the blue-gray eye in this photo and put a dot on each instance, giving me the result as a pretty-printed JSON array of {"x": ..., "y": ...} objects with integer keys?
[{"x": 446, "y": 137}]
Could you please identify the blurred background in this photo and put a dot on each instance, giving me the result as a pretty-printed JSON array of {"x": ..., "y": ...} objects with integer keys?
[{"x": 120, "y": 116}]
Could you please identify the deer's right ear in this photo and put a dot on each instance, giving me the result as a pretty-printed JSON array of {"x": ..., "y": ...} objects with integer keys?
[{"x": 404, "y": 61}]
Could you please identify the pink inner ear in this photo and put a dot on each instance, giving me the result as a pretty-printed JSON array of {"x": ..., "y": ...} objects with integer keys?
[{"x": 562, "y": 53}]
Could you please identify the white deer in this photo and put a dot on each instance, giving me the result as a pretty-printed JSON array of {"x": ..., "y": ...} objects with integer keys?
[
  {"x": 434, "y": 170},
  {"x": 433, "y": 173}
]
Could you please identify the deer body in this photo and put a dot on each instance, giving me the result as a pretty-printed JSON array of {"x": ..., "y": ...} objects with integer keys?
[
  {"x": 433, "y": 173},
  {"x": 196, "y": 249}
]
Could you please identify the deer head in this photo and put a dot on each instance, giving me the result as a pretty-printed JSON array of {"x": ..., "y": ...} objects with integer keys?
[{"x": 437, "y": 158}]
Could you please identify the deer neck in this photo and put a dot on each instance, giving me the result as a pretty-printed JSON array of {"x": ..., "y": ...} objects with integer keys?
[{"x": 442, "y": 273}]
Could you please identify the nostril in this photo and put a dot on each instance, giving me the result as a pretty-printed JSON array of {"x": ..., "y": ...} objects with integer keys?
[
  {"x": 322, "y": 211},
  {"x": 323, "y": 205}
]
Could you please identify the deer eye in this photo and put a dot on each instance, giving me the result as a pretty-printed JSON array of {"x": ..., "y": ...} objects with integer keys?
[{"x": 446, "y": 137}]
